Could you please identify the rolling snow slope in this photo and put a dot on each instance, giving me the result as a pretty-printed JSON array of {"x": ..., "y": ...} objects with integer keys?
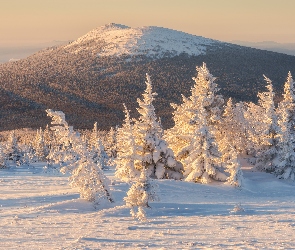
[{"x": 40, "y": 211}]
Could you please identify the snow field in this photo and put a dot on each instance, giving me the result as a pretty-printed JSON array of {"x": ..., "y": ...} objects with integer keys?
[
  {"x": 40, "y": 211},
  {"x": 115, "y": 40}
]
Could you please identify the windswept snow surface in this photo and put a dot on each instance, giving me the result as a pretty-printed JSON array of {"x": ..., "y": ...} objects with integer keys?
[
  {"x": 116, "y": 40},
  {"x": 39, "y": 211}
]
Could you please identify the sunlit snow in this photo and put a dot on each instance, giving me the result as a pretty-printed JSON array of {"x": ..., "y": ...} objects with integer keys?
[
  {"x": 116, "y": 40},
  {"x": 38, "y": 210}
]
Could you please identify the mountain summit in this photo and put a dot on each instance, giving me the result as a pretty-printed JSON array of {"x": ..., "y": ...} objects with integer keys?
[
  {"x": 90, "y": 78},
  {"x": 116, "y": 40}
]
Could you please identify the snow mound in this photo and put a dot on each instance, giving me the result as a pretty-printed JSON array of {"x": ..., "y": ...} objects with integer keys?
[
  {"x": 237, "y": 209},
  {"x": 116, "y": 40}
]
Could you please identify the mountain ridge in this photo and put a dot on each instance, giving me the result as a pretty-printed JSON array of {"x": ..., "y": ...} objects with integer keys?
[{"x": 89, "y": 88}]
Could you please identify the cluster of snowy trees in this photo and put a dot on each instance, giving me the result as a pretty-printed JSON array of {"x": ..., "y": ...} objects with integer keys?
[{"x": 203, "y": 145}]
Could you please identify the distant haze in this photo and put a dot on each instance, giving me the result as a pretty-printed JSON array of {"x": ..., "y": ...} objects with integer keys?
[
  {"x": 285, "y": 48},
  {"x": 33, "y": 22},
  {"x": 12, "y": 52}
]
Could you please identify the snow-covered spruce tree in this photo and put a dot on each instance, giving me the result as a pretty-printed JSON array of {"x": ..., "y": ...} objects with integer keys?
[
  {"x": 241, "y": 138},
  {"x": 94, "y": 137},
  {"x": 233, "y": 167},
  {"x": 155, "y": 155},
  {"x": 127, "y": 151},
  {"x": 204, "y": 91},
  {"x": 12, "y": 151},
  {"x": 255, "y": 126},
  {"x": 102, "y": 158},
  {"x": 285, "y": 164},
  {"x": 48, "y": 139},
  {"x": 29, "y": 155},
  {"x": 268, "y": 149},
  {"x": 138, "y": 196},
  {"x": 111, "y": 142},
  {"x": 203, "y": 160},
  {"x": 229, "y": 141},
  {"x": 227, "y": 131},
  {"x": 232, "y": 129},
  {"x": 62, "y": 152},
  {"x": 2, "y": 158},
  {"x": 39, "y": 146},
  {"x": 288, "y": 104},
  {"x": 86, "y": 175},
  {"x": 194, "y": 135}
]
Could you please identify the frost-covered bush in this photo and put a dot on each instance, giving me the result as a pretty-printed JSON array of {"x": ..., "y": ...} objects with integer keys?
[{"x": 138, "y": 196}]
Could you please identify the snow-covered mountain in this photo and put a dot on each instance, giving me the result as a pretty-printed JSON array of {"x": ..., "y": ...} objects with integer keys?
[
  {"x": 89, "y": 79},
  {"x": 116, "y": 40}
]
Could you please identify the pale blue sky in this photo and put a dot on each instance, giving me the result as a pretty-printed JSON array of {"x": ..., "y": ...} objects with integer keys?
[{"x": 34, "y": 21}]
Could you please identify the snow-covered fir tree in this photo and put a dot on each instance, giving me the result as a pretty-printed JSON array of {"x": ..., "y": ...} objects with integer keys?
[
  {"x": 227, "y": 131},
  {"x": 233, "y": 167},
  {"x": 229, "y": 142},
  {"x": 288, "y": 104},
  {"x": 127, "y": 151},
  {"x": 2, "y": 158},
  {"x": 140, "y": 193},
  {"x": 29, "y": 155},
  {"x": 89, "y": 178},
  {"x": 11, "y": 150},
  {"x": 62, "y": 152},
  {"x": 155, "y": 155},
  {"x": 111, "y": 142},
  {"x": 232, "y": 129},
  {"x": 203, "y": 160},
  {"x": 255, "y": 126},
  {"x": 285, "y": 165},
  {"x": 39, "y": 146},
  {"x": 206, "y": 89},
  {"x": 193, "y": 136},
  {"x": 101, "y": 157},
  {"x": 94, "y": 138},
  {"x": 289, "y": 96},
  {"x": 241, "y": 140},
  {"x": 204, "y": 92},
  {"x": 268, "y": 149},
  {"x": 48, "y": 138},
  {"x": 86, "y": 175}
]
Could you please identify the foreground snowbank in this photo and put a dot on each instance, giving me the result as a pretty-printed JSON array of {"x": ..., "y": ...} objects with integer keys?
[{"x": 40, "y": 211}]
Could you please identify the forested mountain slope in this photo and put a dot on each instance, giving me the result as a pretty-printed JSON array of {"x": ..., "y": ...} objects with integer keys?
[{"x": 90, "y": 78}]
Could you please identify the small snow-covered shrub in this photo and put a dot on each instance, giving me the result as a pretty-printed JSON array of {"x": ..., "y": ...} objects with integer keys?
[
  {"x": 140, "y": 193},
  {"x": 237, "y": 209}
]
